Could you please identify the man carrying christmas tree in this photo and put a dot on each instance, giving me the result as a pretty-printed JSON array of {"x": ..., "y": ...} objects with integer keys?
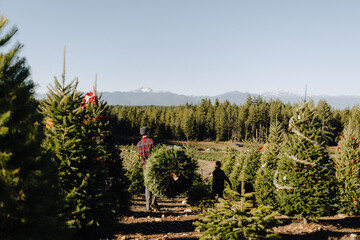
[
  {"x": 219, "y": 177},
  {"x": 144, "y": 147}
]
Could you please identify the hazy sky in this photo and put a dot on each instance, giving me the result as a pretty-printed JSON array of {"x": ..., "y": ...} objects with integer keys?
[{"x": 192, "y": 47}]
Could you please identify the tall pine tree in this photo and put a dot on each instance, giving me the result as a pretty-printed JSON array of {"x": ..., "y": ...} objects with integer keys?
[
  {"x": 305, "y": 176},
  {"x": 30, "y": 202}
]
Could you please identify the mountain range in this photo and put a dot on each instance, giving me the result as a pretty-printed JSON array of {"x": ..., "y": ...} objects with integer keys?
[{"x": 146, "y": 96}]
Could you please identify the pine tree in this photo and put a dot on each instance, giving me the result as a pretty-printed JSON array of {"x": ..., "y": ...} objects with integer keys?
[
  {"x": 264, "y": 186},
  {"x": 63, "y": 138},
  {"x": 323, "y": 110},
  {"x": 92, "y": 177},
  {"x": 229, "y": 161},
  {"x": 30, "y": 202},
  {"x": 101, "y": 150},
  {"x": 347, "y": 164},
  {"x": 135, "y": 174},
  {"x": 305, "y": 176},
  {"x": 247, "y": 161},
  {"x": 229, "y": 220}
]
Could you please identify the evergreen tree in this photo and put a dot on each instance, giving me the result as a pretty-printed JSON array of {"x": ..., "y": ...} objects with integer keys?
[
  {"x": 229, "y": 220},
  {"x": 249, "y": 162},
  {"x": 189, "y": 124},
  {"x": 92, "y": 178},
  {"x": 354, "y": 120},
  {"x": 264, "y": 186},
  {"x": 305, "y": 175},
  {"x": 323, "y": 110},
  {"x": 221, "y": 123},
  {"x": 107, "y": 196},
  {"x": 30, "y": 202},
  {"x": 229, "y": 161},
  {"x": 135, "y": 174},
  {"x": 347, "y": 164}
]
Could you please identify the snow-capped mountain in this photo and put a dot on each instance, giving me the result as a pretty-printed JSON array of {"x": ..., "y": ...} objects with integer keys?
[
  {"x": 279, "y": 93},
  {"x": 144, "y": 90},
  {"x": 147, "y": 96}
]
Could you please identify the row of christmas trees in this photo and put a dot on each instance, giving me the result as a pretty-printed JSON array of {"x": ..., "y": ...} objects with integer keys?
[
  {"x": 60, "y": 173},
  {"x": 295, "y": 173}
]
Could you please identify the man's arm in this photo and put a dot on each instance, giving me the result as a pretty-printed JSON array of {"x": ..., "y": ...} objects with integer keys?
[{"x": 228, "y": 180}]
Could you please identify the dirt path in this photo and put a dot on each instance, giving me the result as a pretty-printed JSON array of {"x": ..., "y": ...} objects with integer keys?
[{"x": 173, "y": 221}]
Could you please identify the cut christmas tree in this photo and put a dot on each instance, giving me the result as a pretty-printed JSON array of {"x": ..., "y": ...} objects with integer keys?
[{"x": 169, "y": 172}]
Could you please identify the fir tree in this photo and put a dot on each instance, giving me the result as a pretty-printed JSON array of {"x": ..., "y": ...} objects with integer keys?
[
  {"x": 248, "y": 161},
  {"x": 63, "y": 138},
  {"x": 229, "y": 161},
  {"x": 92, "y": 177},
  {"x": 229, "y": 220},
  {"x": 305, "y": 176},
  {"x": 135, "y": 174},
  {"x": 347, "y": 164},
  {"x": 264, "y": 186},
  {"x": 102, "y": 151},
  {"x": 30, "y": 202}
]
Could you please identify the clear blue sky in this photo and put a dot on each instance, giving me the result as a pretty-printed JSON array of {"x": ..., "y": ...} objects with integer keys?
[{"x": 193, "y": 47}]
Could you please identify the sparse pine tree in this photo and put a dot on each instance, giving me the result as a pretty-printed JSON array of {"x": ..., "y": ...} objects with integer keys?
[
  {"x": 30, "y": 203},
  {"x": 305, "y": 176},
  {"x": 264, "y": 182},
  {"x": 347, "y": 165}
]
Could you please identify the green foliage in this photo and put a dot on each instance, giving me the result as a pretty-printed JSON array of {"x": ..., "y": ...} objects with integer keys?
[
  {"x": 91, "y": 172},
  {"x": 347, "y": 164},
  {"x": 110, "y": 182},
  {"x": 249, "y": 161},
  {"x": 228, "y": 221},
  {"x": 305, "y": 176},
  {"x": 264, "y": 186},
  {"x": 135, "y": 175},
  {"x": 205, "y": 121},
  {"x": 63, "y": 138},
  {"x": 200, "y": 194},
  {"x": 169, "y": 172},
  {"x": 228, "y": 161},
  {"x": 30, "y": 201}
]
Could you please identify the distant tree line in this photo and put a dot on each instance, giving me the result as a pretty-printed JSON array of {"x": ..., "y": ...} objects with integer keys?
[{"x": 225, "y": 121}]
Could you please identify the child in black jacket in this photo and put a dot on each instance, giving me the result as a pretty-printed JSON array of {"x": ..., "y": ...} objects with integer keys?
[{"x": 219, "y": 177}]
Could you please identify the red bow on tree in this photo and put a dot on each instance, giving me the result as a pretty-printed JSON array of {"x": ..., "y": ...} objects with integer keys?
[{"x": 90, "y": 97}]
